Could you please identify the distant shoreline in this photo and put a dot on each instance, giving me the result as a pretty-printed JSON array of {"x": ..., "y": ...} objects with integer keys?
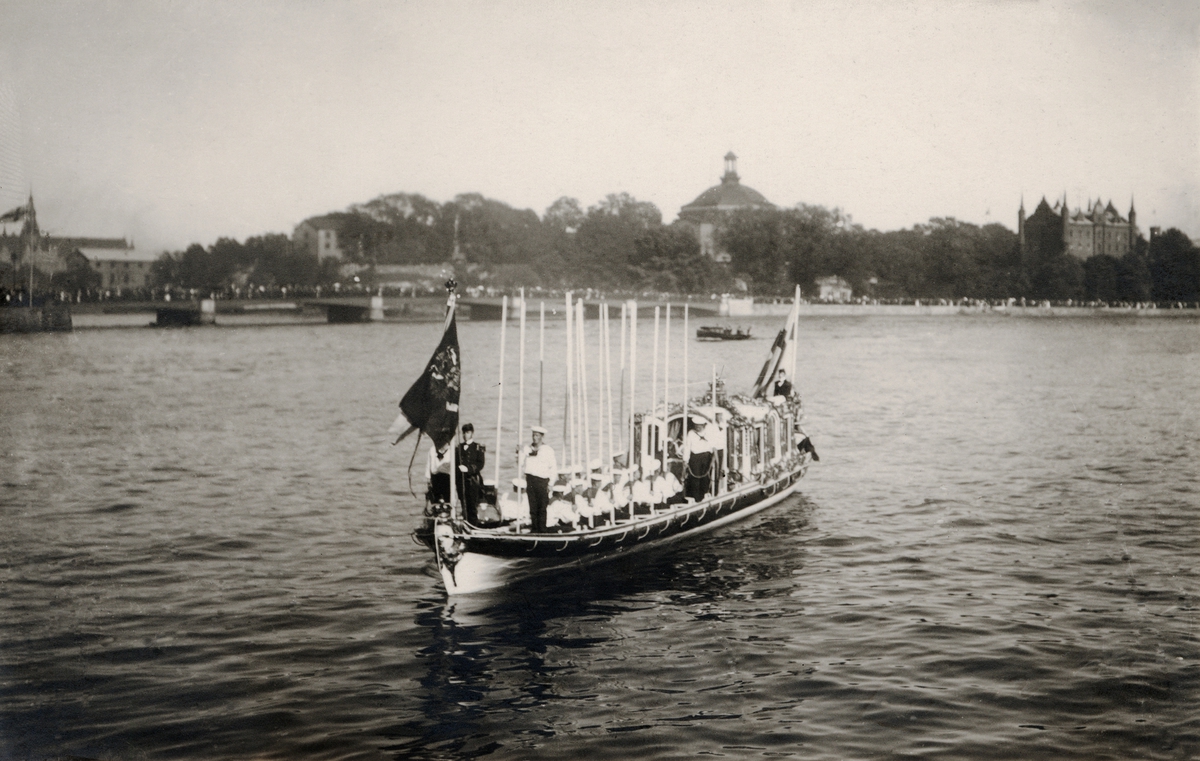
[
  {"x": 113, "y": 315},
  {"x": 939, "y": 310}
]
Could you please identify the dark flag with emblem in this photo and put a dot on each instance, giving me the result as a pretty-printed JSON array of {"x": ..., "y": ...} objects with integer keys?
[{"x": 431, "y": 404}]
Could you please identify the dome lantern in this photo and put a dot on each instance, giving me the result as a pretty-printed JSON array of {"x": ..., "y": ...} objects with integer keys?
[{"x": 731, "y": 174}]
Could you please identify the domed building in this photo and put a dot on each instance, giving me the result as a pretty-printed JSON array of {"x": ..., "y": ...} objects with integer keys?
[{"x": 710, "y": 209}]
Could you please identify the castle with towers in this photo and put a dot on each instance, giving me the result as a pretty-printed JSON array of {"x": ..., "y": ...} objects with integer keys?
[{"x": 1083, "y": 233}]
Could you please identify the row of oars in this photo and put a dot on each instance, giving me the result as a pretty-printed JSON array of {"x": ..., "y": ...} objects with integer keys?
[{"x": 580, "y": 428}]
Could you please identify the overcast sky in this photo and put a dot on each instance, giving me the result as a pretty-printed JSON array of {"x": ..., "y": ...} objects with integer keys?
[{"x": 178, "y": 122}]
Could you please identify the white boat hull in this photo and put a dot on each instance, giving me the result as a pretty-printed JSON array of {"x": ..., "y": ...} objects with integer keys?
[{"x": 474, "y": 572}]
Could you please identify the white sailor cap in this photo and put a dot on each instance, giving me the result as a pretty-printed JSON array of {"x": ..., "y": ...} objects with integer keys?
[{"x": 538, "y": 429}]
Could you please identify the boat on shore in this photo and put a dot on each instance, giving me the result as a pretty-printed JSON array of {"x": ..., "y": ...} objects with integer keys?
[
  {"x": 686, "y": 467},
  {"x": 722, "y": 333}
]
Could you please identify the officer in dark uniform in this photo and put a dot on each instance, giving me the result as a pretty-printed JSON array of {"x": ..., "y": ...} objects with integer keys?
[{"x": 471, "y": 456}]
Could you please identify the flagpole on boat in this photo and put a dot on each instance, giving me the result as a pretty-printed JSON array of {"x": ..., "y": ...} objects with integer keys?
[
  {"x": 541, "y": 361},
  {"x": 521, "y": 376},
  {"x": 666, "y": 432},
  {"x": 500, "y": 400},
  {"x": 583, "y": 394},
  {"x": 717, "y": 485},
  {"x": 795, "y": 332},
  {"x": 621, "y": 401},
  {"x": 653, "y": 382},
  {"x": 455, "y": 501},
  {"x": 608, "y": 453},
  {"x": 576, "y": 399},
  {"x": 568, "y": 411},
  {"x": 632, "y": 379},
  {"x": 686, "y": 341},
  {"x": 601, "y": 369}
]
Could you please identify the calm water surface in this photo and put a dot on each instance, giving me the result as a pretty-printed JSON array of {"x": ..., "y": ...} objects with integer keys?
[{"x": 205, "y": 554}]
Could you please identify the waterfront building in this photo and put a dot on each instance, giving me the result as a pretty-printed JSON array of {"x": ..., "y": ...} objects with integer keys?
[
  {"x": 319, "y": 236},
  {"x": 117, "y": 260},
  {"x": 707, "y": 213},
  {"x": 119, "y": 263},
  {"x": 834, "y": 289},
  {"x": 1082, "y": 233}
]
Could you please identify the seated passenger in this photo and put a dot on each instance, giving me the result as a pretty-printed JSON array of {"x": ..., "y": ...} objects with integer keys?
[
  {"x": 673, "y": 490},
  {"x": 583, "y": 506},
  {"x": 560, "y": 513},
  {"x": 602, "y": 504},
  {"x": 659, "y": 488},
  {"x": 642, "y": 494},
  {"x": 782, "y": 388},
  {"x": 620, "y": 493},
  {"x": 515, "y": 506}
]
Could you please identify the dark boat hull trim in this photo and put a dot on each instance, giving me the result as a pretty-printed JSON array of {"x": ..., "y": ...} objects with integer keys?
[{"x": 475, "y": 560}]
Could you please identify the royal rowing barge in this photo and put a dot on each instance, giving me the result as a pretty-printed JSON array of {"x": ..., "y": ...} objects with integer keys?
[{"x": 679, "y": 469}]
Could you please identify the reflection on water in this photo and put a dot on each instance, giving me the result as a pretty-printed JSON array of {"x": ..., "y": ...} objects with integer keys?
[{"x": 508, "y": 652}]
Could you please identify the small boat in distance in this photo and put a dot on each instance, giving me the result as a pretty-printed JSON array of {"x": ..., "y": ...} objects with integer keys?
[
  {"x": 722, "y": 333},
  {"x": 683, "y": 466}
]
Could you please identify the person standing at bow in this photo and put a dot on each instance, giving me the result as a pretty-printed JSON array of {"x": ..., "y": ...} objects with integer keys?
[
  {"x": 437, "y": 473},
  {"x": 471, "y": 456},
  {"x": 538, "y": 465}
]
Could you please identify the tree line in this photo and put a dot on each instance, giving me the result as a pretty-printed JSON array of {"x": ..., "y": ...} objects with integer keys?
[{"x": 621, "y": 243}]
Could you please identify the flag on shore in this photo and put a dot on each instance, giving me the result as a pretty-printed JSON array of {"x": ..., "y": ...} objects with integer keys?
[
  {"x": 431, "y": 404},
  {"x": 14, "y": 215}
]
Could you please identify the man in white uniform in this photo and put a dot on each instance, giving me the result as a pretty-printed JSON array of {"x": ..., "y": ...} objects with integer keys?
[{"x": 538, "y": 466}]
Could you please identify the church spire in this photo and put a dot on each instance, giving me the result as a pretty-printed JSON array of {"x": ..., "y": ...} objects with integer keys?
[
  {"x": 30, "y": 228},
  {"x": 1021, "y": 224}
]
